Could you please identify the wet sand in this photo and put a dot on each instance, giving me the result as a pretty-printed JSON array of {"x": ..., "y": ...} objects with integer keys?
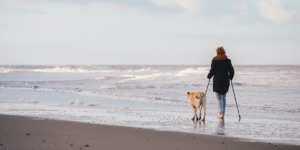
[{"x": 25, "y": 133}]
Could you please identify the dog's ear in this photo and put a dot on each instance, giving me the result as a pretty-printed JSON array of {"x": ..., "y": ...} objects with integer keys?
[{"x": 188, "y": 93}]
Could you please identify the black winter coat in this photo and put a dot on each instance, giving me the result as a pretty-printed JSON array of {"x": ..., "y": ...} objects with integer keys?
[{"x": 222, "y": 71}]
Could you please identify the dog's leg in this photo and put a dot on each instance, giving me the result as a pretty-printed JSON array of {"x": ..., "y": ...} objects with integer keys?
[
  {"x": 200, "y": 112},
  {"x": 195, "y": 114},
  {"x": 204, "y": 109}
]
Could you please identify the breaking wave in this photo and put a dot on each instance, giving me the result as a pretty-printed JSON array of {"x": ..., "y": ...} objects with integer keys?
[{"x": 55, "y": 69}]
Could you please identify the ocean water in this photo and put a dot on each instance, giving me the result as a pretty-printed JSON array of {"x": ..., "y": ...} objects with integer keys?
[{"x": 155, "y": 97}]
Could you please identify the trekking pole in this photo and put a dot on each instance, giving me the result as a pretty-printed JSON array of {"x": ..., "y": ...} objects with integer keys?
[
  {"x": 207, "y": 86},
  {"x": 235, "y": 101}
]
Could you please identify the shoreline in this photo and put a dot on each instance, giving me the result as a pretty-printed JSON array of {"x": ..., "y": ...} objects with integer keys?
[{"x": 19, "y": 132}]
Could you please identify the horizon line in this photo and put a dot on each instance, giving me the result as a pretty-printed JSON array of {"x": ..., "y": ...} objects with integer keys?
[{"x": 143, "y": 64}]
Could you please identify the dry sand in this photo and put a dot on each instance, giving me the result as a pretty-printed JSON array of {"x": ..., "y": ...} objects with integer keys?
[{"x": 24, "y": 133}]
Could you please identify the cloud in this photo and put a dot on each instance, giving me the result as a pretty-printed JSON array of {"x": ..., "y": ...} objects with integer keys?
[
  {"x": 165, "y": 3},
  {"x": 187, "y": 5},
  {"x": 276, "y": 12},
  {"x": 229, "y": 12},
  {"x": 22, "y": 6},
  {"x": 190, "y": 5},
  {"x": 113, "y": 7},
  {"x": 234, "y": 11},
  {"x": 5, "y": 26}
]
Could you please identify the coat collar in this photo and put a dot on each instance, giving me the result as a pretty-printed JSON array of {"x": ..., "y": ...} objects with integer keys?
[{"x": 220, "y": 57}]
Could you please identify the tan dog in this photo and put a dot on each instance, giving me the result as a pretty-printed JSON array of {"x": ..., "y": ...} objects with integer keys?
[{"x": 197, "y": 101}]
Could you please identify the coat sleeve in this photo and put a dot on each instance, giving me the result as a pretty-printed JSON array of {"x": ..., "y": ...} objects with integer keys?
[
  {"x": 212, "y": 70},
  {"x": 231, "y": 71}
]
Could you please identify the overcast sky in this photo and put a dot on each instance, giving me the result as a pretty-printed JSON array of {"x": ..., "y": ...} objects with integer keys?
[{"x": 148, "y": 31}]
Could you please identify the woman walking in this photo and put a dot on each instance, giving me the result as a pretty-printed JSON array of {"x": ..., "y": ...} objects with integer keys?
[{"x": 222, "y": 71}]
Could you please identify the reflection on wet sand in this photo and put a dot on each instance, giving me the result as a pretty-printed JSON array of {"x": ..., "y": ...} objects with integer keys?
[
  {"x": 195, "y": 123},
  {"x": 201, "y": 123},
  {"x": 221, "y": 127}
]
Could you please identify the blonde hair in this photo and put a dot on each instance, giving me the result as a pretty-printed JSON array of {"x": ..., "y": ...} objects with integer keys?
[{"x": 220, "y": 50}]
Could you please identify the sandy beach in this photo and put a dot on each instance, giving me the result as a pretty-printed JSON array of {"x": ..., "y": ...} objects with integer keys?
[{"x": 25, "y": 133}]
